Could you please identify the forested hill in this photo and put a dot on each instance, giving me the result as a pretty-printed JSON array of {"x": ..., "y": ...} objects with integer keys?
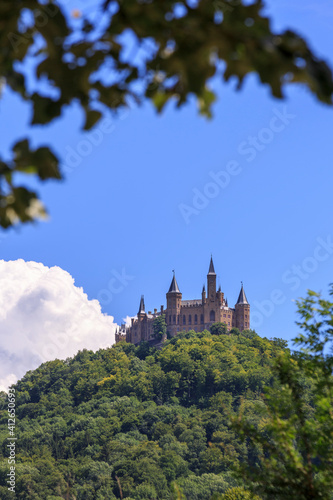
[{"x": 134, "y": 423}]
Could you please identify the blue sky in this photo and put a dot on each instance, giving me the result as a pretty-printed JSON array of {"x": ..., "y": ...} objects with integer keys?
[{"x": 117, "y": 225}]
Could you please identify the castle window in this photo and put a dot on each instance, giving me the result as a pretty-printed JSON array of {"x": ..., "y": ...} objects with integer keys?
[
  {"x": 170, "y": 319},
  {"x": 184, "y": 320},
  {"x": 190, "y": 319},
  {"x": 174, "y": 319},
  {"x": 224, "y": 315},
  {"x": 178, "y": 320},
  {"x": 195, "y": 319},
  {"x": 228, "y": 315},
  {"x": 201, "y": 319},
  {"x": 212, "y": 316},
  {"x": 245, "y": 315}
]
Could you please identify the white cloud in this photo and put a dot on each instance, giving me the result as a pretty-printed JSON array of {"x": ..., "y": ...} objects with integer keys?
[
  {"x": 44, "y": 316},
  {"x": 128, "y": 320}
]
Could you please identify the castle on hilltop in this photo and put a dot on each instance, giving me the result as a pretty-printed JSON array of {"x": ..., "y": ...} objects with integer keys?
[{"x": 184, "y": 315}]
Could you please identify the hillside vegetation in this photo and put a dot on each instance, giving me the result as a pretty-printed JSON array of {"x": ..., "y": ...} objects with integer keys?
[{"x": 133, "y": 422}]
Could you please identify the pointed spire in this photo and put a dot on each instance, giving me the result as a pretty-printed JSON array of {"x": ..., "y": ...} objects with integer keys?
[
  {"x": 142, "y": 306},
  {"x": 174, "y": 285},
  {"x": 242, "y": 297},
  {"x": 204, "y": 289},
  {"x": 211, "y": 266},
  {"x": 219, "y": 290}
]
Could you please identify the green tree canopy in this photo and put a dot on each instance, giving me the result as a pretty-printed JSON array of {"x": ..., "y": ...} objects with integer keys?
[
  {"x": 296, "y": 441},
  {"x": 219, "y": 329},
  {"x": 149, "y": 424},
  {"x": 159, "y": 326}
]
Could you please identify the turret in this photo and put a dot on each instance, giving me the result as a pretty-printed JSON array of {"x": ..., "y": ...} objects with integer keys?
[
  {"x": 203, "y": 294},
  {"x": 211, "y": 281},
  {"x": 242, "y": 311},
  {"x": 174, "y": 299},
  {"x": 220, "y": 296},
  {"x": 142, "y": 311},
  {"x": 138, "y": 327}
]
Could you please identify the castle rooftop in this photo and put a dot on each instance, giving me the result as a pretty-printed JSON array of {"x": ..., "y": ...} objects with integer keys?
[
  {"x": 174, "y": 285},
  {"x": 242, "y": 297}
]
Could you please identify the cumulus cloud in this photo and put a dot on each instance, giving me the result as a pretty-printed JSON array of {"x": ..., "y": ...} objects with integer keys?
[
  {"x": 44, "y": 316},
  {"x": 128, "y": 320}
]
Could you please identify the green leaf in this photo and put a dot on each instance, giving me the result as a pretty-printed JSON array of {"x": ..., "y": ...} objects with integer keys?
[
  {"x": 20, "y": 205},
  {"x": 41, "y": 161},
  {"x": 92, "y": 117},
  {"x": 46, "y": 163},
  {"x": 160, "y": 99},
  {"x": 44, "y": 109},
  {"x": 205, "y": 103}
]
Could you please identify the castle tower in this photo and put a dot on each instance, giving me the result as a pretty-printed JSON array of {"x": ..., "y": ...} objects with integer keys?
[
  {"x": 142, "y": 311},
  {"x": 174, "y": 299},
  {"x": 220, "y": 296},
  {"x": 203, "y": 295},
  {"x": 138, "y": 330},
  {"x": 211, "y": 282},
  {"x": 242, "y": 311}
]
